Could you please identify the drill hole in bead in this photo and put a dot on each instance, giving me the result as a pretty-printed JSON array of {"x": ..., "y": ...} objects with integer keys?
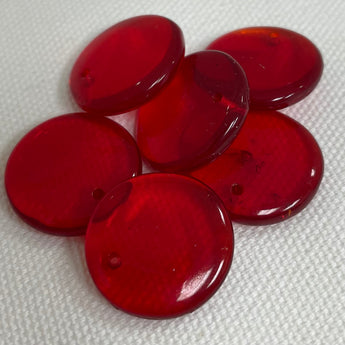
[
  {"x": 98, "y": 194},
  {"x": 237, "y": 189},
  {"x": 217, "y": 97},
  {"x": 113, "y": 260}
]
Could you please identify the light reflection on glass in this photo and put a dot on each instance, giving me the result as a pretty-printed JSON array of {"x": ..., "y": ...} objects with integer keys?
[
  {"x": 267, "y": 212},
  {"x": 215, "y": 276},
  {"x": 190, "y": 287}
]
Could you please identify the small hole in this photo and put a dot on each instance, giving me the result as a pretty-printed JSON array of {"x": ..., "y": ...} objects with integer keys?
[
  {"x": 245, "y": 156},
  {"x": 87, "y": 77},
  {"x": 113, "y": 260},
  {"x": 98, "y": 194},
  {"x": 273, "y": 39},
  {"x": 259, "y": 167},
  {"x": 217, "y": 97},
  {"x": 237, "y": 189}
]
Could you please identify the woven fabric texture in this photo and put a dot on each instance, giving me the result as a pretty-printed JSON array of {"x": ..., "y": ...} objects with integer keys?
[{"x": 287, "y": 281}]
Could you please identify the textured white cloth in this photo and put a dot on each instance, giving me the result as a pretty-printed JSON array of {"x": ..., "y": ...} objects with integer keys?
[{"x": 287, "y": 282}]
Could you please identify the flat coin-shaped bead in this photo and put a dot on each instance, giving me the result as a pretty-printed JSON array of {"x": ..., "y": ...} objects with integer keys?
[
  {"x": 159, "y": 245},
  {"x": 127, "y": 65},
  {"x": 281, "y": 65},
  {"x": 271, "y": 171},
  {"x": 197, "y": 116},
  {"x": 60, "y": 170}
]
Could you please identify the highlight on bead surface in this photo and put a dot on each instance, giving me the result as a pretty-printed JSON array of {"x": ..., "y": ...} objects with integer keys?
[
  {"x": 197, "y": 116},
  {"x": 282, "y": 66},
  {"x": 60, "y": 170},
  {"x": 159, "y": 245},
  {"x": 127, "y": 65},
  {"x": 270, "y": 172}
]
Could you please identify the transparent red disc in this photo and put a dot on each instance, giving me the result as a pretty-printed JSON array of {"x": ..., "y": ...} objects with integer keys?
[
  {"x": 60, "y": 170},
  {"x": 196, "y": 117},
  {"x": 127, "y": 65},
  {"x": 281, "y": 65},
  {"x": 159, "y": 245},
  {"x": 271, "y": 171}
]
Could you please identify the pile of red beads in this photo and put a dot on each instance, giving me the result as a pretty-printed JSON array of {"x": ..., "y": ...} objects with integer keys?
[{"x": 159, "y": 245}]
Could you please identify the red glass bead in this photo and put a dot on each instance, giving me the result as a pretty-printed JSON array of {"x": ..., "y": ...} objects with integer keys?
[
  {"x": 271, "y": 171},
  {"x": 282, "y": 66},
  {"x": 127, "y": 65},
  {"x": 159, "y": 245},
  {"x": 197, "y": 116},
  {"x": 60, "y": 170}
]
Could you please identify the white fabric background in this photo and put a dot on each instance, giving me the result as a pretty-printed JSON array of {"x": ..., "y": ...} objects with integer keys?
[{"x": 287, "y": 281}]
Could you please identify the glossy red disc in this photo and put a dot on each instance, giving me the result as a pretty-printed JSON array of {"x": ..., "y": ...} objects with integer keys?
[
  {"x": 127, "y": 65},
  {"x": 159, "y": 245},
  {"x": 282, "y": 66},
  {"x": 60, "y": 170},
  {"x": 271, "y": 171},
  {"x": 197, "y": 116}
]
